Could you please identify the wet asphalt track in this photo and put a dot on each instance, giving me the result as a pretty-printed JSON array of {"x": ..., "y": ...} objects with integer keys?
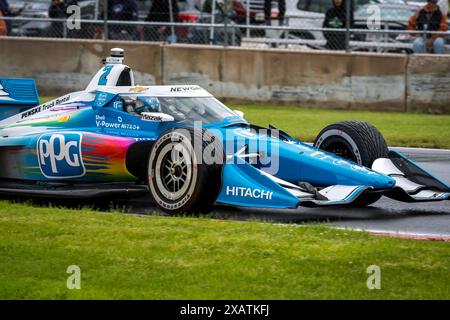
[{"x": 386, "y": 215}]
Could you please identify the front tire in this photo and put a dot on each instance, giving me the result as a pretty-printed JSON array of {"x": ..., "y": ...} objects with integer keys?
[
  {"x": 356, "y": 141},
  {"x": 180, "y": 179}
]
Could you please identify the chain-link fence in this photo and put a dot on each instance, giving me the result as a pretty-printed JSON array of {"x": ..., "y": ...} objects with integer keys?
[{"x": 352, "y": 25}]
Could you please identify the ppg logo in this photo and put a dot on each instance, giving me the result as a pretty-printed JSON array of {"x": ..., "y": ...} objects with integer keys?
[{"x": 60, "y": 156}]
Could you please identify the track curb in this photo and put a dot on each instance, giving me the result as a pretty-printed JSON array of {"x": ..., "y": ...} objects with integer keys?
[{"x": 410, "y": 236}]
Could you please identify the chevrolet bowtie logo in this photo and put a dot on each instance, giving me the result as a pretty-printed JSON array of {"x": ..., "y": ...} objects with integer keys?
[
  {"x": 2, "y": 92},
  {"x": 138, "y": 89}
]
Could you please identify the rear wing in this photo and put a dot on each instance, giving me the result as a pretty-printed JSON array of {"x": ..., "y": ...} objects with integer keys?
[{"x": 17, "y": 95}]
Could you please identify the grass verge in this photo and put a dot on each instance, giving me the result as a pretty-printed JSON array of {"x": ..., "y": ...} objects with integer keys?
[
  {"x": 399, "y": 129},
  {"x": 137, "y": 257}
]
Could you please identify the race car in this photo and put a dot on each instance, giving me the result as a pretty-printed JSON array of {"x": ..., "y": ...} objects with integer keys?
[{"x": 188, "y": 151}]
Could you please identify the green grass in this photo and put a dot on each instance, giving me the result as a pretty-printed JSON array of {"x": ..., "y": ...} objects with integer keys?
[
  {"x": 131, "y": 257},
  {"x": 399, "y": 129}
]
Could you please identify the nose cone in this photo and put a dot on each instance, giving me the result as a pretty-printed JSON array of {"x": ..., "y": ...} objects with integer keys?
[
  {"x": 383, "y": 182},
  {"x": 325, "y": 169},
  {"x": 350, "y": 173},
  {"x": 300, "y": 162},
  {"x": 359, "y": 175}
]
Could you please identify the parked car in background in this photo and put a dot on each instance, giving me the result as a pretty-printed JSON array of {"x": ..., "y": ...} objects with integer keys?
[
  {"x": 239, "y": 9},
  {"x": 255, "y": 9},
  {"x": 393, "y": 17},
  {"x": 17, "y": 5},
  {"x": 32, "y": 9},
  {"x": 218, "y": 36},
  {"x": 39, "y": 9},
  {"x": 199, "y": 11},
  {"x": 311, "y": 14}
]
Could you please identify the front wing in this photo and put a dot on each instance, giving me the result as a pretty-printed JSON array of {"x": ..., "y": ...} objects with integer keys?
[
  {"x": 244, "y": 185},
  {"x": 413, "y": 183}
]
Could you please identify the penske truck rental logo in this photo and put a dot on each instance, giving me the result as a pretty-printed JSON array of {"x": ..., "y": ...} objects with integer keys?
[{"x": 60, "y": 155}]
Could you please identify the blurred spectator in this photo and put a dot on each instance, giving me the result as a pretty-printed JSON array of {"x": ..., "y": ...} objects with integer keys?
[
  {"x": 160, "y": 12},
  {"x": 225, "y": 7},
  {"x": 123, "y": 10},
  {"x": 274, "y": 10},
  {"x": 57, "y": 10},
  {"x": 429, "y": 18},
  {"x": 3, "y": 26},
  {"x": 6, "y": 11},
  {"x": 268, "y": 11},
  {"x": 195, "y": 5},
  {"x": 336, "y": 18}
]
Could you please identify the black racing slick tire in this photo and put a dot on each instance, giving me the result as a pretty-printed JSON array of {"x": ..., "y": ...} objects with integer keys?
[
  {"x": 357, "y": 141},
  {"x": 183, "y": 177}
]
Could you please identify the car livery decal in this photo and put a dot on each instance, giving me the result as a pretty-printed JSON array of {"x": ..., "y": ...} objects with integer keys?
[
  {"x": 236, "y": 191},
  {"x": 104, "y": 77},
  {"x": 60, "y": 156}
]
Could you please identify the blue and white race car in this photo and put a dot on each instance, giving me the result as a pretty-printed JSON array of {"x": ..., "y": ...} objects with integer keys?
[{"x": 188, "y": 151}]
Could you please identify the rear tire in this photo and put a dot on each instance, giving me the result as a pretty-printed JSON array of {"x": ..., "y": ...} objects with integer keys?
[
  {"x": 357, "y": 141},
  {"x": 180, "y": 179}
]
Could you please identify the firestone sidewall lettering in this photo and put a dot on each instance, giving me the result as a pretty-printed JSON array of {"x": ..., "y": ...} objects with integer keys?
[
  {"x": 60, "y": 155},
  {"x": 249, "y": 193}
]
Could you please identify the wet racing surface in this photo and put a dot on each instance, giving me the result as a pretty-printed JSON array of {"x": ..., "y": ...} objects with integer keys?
[{"x": 386, "y": 215}]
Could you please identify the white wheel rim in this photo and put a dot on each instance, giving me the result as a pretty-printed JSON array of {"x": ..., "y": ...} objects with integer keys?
[
  {"x": 173, "y": 172},
  {"x": 343, "y": 135},
  {"x": 173, "y": 198}
]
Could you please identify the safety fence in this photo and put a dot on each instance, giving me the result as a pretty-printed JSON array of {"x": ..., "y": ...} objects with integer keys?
[{"x": 289, "y": 24}]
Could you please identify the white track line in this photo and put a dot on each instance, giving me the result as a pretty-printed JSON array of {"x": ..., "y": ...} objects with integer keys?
[
  {"x": 411, "y": 149},
  {"x": 402, "y": 235},
  {"x": 421, "y": 149}
]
